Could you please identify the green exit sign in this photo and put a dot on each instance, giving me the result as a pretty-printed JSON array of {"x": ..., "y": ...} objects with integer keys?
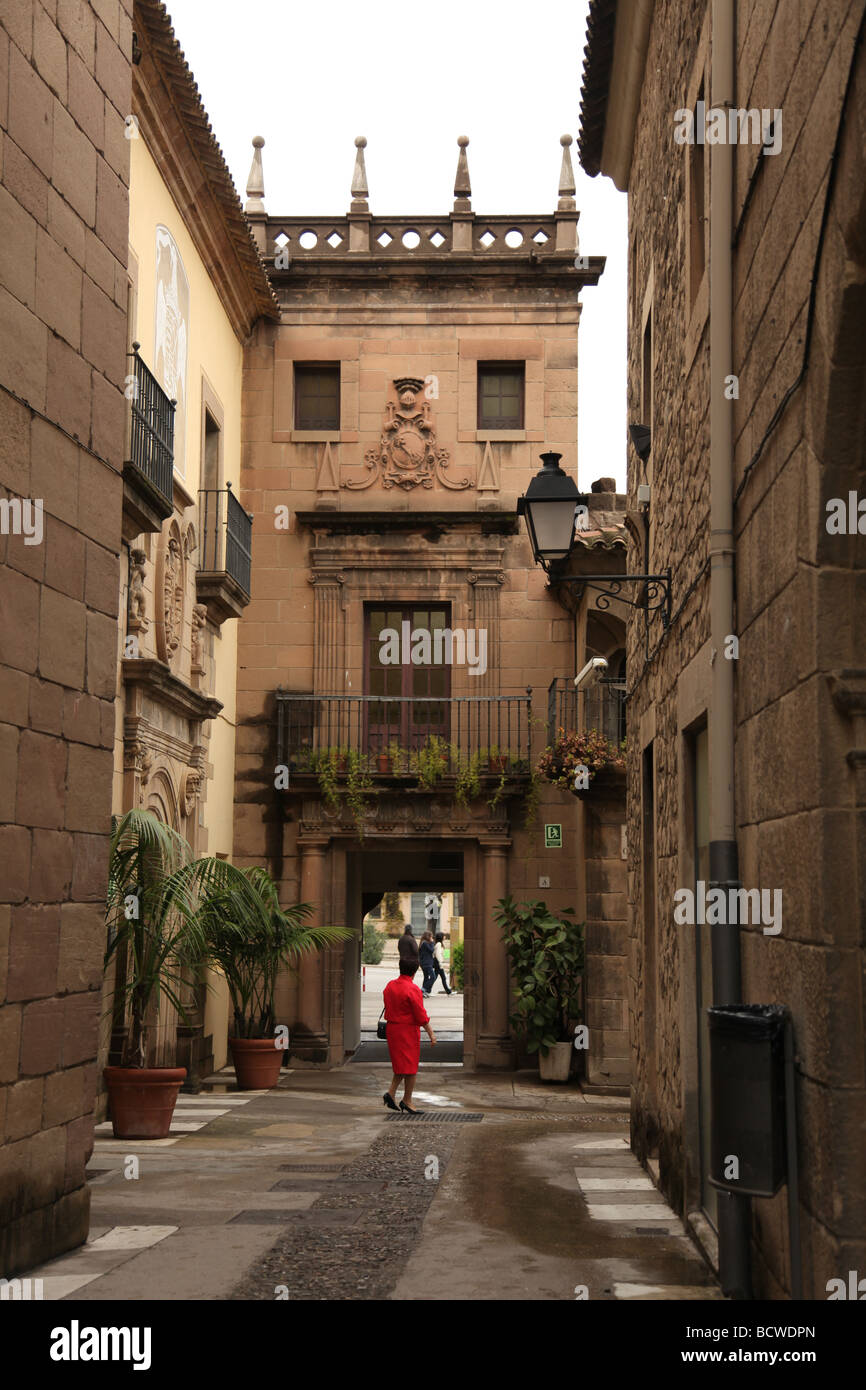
[{"x": 553, "y": 837}]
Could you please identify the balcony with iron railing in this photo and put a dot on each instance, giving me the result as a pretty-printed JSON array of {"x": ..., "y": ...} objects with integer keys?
[
  {"x": 225, "y": 553},
  {"x": 148, "y": 468},
  {"x": 459, "y": 741},
  {"x": 599, "y": 705}
]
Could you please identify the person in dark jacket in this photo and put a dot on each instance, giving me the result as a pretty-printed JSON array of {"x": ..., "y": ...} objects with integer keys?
[
  {"x": 407, "y": 948},
  {"x": 427, "y": 962}
]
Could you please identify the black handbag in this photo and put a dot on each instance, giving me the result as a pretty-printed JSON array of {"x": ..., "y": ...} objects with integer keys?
[{"x": 381, "y": 1027}]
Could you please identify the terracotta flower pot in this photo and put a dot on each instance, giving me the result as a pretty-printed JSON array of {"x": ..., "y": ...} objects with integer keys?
[
  {"x": 497, "y": 764},
  {"x": 384, "y": 763},
  {"x": 142, "y": 1100},
  {"x": 557, "y": 1064},
  {"x": 257, "y": 1063}
]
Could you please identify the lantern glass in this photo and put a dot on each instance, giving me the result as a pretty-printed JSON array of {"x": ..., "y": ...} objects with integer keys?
[{"x": 549, "y": 507}]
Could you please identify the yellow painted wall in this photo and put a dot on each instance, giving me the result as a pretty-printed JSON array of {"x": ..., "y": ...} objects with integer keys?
[{"x": 214, "y": 351}]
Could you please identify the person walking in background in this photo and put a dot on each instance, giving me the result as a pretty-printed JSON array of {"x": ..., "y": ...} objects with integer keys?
[
  {"x": 439, "y": 964},
  {"x": 427, "y": 962},
  {"x": 407, "y": 947},
  {"x": 405, "y": 1016}
]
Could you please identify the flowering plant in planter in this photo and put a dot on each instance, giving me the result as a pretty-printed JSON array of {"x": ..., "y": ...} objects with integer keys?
[{"x": 571, "y": 752}]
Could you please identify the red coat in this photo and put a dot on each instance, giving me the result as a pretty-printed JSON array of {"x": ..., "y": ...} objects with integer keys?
[{"x": 404, "y": 1014}]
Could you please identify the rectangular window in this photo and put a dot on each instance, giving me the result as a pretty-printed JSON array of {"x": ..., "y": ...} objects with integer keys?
[
  {"x": 646, "y": 390},
  {"x": 317, "y": 396},
  {"x": 697, "y": 221},
  {"x": 500, "y": 395},
  {"x": 650, "y": 921},
  {"x": 211, "y": 453},
  {"x": 421, "y": 688}
]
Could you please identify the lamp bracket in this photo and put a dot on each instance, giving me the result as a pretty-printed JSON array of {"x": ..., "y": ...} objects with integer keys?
[{"x": 652, "y": 595}]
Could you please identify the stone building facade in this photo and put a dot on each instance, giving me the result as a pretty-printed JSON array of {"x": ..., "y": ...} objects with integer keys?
[
  {"x": 195, "y": 289},
  {"x": 790, "y": 394},
  {"x": 64, "y": 98},
  {"x": 391, "y": 419}
]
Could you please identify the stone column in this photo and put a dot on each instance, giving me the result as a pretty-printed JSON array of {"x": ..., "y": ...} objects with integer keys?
[
  {"x": 485, "y": 615},
  {"x": 328, "y": 653},
  {"x": 495, "y": 1047},
  {"x": 310, "y": 1035}
]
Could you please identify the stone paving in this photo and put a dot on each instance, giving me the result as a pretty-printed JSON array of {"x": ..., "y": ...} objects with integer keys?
[{"x": 311, "y": 1192}]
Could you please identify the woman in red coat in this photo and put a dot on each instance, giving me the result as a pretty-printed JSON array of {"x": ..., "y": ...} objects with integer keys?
[{"x": 405, "y": 1015}]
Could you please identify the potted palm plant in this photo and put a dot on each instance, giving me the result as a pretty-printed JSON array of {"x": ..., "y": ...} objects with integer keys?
[
  {"x": 152, "y": 937},
  {"x": 547, "y": 963},
  {"x": 250, "y": 938}
]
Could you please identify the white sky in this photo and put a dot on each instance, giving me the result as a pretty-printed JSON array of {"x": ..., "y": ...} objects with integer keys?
[{"x": 310, "y": 76}]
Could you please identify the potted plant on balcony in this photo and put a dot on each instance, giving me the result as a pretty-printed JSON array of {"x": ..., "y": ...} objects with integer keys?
[
  {"x": 547, "y": 958},
  {"x": 248, "y": 937},
  {"x": 576, "y": 760},
  {"x": 430, "y": 761},
  {"x": 152, "y": 937},
  {"x": 497, "y": 761},
  {"x": 359, "y": 784},
  {"x": 329, "y": 764},
  {"x": 468, "y": 784}
]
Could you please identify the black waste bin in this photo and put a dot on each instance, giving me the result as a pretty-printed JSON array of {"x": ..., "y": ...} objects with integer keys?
[{"x": 747, "y": 1097}]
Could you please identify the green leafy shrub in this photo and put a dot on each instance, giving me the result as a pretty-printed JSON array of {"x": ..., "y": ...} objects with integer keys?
[
  {"x": 457, "y": 964},
  {"x": 547, "y": 958},
  {"x": 373, "y": 946}
]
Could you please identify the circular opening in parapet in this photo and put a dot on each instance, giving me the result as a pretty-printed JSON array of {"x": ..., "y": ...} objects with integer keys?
[
  {"x": 308, "y": 240},
  {"x": 514, "y": 238},
  {"x": 410, "y": 240}
]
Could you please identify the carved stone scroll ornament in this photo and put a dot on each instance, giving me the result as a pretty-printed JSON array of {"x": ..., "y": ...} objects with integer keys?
[
  {"x": 407, "y": 454},
  {"x": 170, "y": 597}
]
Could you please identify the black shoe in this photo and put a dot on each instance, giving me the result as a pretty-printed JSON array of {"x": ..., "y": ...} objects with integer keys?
[
  {"x": 408, "y": 1109},
  {"x": 390, "y": 1101}
]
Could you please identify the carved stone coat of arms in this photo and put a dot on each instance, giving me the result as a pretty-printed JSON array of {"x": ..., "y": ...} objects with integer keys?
[{"x": 407, "y": 453}]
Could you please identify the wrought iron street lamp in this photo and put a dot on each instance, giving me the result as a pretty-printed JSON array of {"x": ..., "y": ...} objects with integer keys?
[{"x": 549, "y": 508}]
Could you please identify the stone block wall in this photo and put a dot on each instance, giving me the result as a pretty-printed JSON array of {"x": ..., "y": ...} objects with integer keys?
[
  {"x": 64, "y": 95},
  {"x": 799, "y": 598}
]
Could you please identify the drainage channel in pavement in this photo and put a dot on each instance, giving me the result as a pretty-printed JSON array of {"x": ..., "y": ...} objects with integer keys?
[{"x": 353, "y": 1243}]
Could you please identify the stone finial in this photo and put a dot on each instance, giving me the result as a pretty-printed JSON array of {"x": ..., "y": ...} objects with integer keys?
[
  {"x": 256, "y": 179},
  {"x": 462, "y": 186},
  {"x": 566, "y": 177},
  {"x": 360, "y": 191}
]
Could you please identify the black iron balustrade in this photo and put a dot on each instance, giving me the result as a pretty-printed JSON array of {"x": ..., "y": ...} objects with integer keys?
[
  {"x": 151, "y": 433},
  {"x": 599, "y": 704},
  {"x": 403, "y": 731},
  {"x": 226, "y": 539}
]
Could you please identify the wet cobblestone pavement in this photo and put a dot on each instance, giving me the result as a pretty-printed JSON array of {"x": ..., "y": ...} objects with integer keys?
[{"x": 363, "y": 1258}]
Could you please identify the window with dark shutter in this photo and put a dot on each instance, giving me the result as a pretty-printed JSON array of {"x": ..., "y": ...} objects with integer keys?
[
  {"x": 500, "y": 395},
  {"x": 317, "y": 396}
]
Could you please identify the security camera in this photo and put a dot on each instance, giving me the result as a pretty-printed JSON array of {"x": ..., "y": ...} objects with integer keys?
[{"x": 595, "y": 664}]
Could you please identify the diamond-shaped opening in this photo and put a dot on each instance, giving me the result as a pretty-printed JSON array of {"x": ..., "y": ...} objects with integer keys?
[
  {"x": 487, "y": 239},
  {"x": 411, "y": 239},
  {"x": 384, "y": 239},
  {"x": 308, "y": 240},
  {"x": 437, "y": 238},
  {"x": 281, "y": 240},
  {"x": 540, "y": 237},
  {"x": 335, "y": 240},
  {"x": 513, "y": 238}
]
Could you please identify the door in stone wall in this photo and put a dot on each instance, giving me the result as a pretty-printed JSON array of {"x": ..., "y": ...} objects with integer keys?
[
  {"x": 703, "y": 966},
  {"x": 410, "y": 694}
]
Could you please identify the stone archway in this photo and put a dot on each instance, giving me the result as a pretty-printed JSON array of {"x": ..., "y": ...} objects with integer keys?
[{"x": 330, "y": 881}]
